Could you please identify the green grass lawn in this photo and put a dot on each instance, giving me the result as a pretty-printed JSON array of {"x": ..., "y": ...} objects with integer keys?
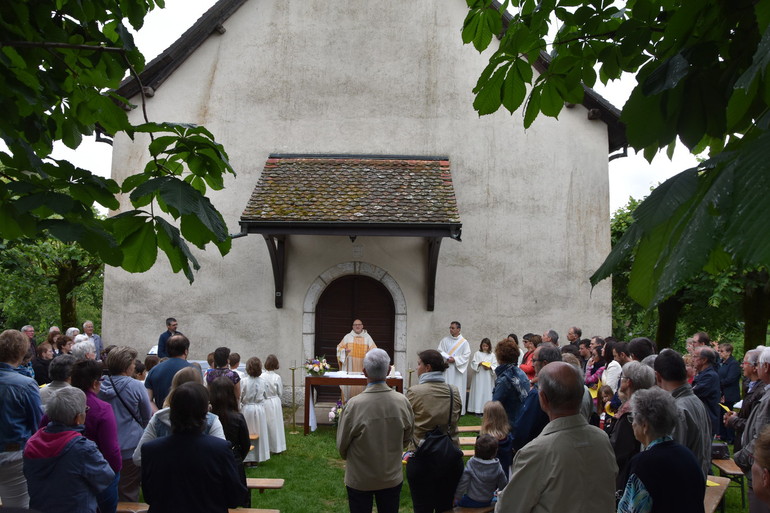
[{"x": 314, "y": 474}]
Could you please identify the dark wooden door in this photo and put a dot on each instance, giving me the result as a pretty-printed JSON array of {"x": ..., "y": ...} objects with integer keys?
[{"x": 345, "y": 299}]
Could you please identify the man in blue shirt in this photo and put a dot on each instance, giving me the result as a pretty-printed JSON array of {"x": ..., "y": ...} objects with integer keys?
[
  {"x": 171, "y": 325},
  {"x": 158, "y": 380}
]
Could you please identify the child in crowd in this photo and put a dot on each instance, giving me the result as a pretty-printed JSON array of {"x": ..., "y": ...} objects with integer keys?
[
  {"x": 140, "y": 371},
  {"x": 234, "y": 361},
  {"x": 224, "y": 406},
  {"x": 482, "y": 476},
  {"x": 605, "y": 415},
  {"x": 273, "y": 409},
  {"x": 495, "y": 423},
  {"x": 483, "y": 364},
  {"x": 253, "y": 396},
  {"x": 150, "y": 361}
]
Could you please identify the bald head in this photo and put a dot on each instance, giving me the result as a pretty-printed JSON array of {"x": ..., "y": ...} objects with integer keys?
[{"x": 561, "y": 389}]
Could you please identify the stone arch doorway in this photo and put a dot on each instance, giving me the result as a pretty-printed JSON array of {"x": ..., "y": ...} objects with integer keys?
[
  {"x": 378, "y": 274},
  {"x": 354, "y": 297}
]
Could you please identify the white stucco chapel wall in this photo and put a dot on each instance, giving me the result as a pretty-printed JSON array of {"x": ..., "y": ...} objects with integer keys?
[{"x": 374, "y": 78}]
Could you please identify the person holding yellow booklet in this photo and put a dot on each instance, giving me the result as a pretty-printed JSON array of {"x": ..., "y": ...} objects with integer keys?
[{"x": 483, "y": 365}]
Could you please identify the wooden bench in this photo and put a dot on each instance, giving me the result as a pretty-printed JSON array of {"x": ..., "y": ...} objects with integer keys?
[
  {"x": 715, "y": 494},
  {"x": 132, "y": 507},
  {"x": 728, "y": 469},
  {"x": 468, "y": 429},
  {"x": 458, "y": 509},
  {"x": 467, "y": 440},
  {"x": 262, "y": 484},
  {"x": 467, "y": 453}
]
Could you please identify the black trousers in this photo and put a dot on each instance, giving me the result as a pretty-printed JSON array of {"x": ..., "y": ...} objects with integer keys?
[
  {"x": 433, "y": 485},
  {"x": 387, "y": 499}
]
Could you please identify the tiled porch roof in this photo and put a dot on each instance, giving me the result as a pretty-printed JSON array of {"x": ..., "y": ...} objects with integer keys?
[{"x": 354, "y": 189}]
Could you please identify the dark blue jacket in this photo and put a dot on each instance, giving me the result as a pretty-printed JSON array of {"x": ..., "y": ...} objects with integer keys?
[
  {"x": 729, "y": 380},
  {"x": 706, "y": 387},
  {"x": 194, "y": 473},
  {"x": 531, "y": 421},
  {"x": 511, "y": 388}
]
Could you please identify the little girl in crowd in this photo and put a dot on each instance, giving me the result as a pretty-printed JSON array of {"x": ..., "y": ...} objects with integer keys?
[
  {"x": 273, "y": 410},
  {"x": 253, "y": 396},
  {"x": 495, "y": 423},
  {"x": 483, "y": 364}
]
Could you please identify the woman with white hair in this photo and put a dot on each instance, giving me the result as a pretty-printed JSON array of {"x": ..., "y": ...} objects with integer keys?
[
  {"x": 665, "y": 476},
  {"x": 65, "y": 470},
  {"x": 635, "y": 376},
  {"x": 84, "y": 350}
]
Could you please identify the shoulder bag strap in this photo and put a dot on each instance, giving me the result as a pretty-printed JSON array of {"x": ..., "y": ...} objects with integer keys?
[
  {"x": 129, "y": 410},
  {"x": 451, "y": 407}
]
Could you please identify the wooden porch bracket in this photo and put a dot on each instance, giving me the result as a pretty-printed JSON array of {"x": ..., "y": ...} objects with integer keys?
[
  {"x": 276, "y": 246},
  {"x": 434, "y": 245}
]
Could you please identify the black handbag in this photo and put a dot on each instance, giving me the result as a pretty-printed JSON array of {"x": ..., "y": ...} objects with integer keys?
[{"x": 437, "y": 447}]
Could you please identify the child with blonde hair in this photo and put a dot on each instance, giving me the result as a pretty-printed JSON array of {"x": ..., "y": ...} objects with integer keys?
[{"x": 495, "y": 423}]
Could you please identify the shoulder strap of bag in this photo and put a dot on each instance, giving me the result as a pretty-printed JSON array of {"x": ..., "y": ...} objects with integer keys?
[{"x": 129, "y": 410}]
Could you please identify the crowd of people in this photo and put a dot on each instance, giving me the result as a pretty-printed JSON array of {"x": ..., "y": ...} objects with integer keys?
[
  {"x": 594, "y": 425},
  {"x": 89, "y": 426}
]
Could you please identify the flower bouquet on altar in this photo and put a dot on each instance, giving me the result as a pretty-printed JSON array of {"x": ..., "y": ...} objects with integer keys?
[
  {"x": 317, "y": 366},
  {"x": 334, "y": 414}
]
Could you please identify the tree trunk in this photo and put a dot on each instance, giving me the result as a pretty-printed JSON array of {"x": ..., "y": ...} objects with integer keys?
[
  {"x": 668, "y": 316},
  {"x": 756, "y": 309}
]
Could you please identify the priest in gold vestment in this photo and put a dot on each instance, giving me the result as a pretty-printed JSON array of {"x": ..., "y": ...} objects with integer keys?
[{"x": 350, "y": 355}]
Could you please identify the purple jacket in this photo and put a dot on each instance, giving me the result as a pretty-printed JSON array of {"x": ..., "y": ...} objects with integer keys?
[{"x": 101, "y": 429}]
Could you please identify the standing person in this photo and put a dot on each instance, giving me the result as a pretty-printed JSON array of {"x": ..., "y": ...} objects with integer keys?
[
  {"x": 531, "y": 341},
  {"x": 171, "y": 330},
  {"x": 482, "y": 475},
  {"x": 222, "y": 369},
  {"x": 88, "y": 329},
  {"x": 131, "y": 406},
  {"x": 100, "y": 426},
  {"x": 570, "y": 465},
  {"x": 158, "y": 380},
  {"x": 706, "y": 384},
  {"x": 59, "y": 371},
  {"x": 693, "y": 429},
  {"x": 754, "y": 392},
  {"x": 65, "y": 470},
  {"x": 273, "y": 409},
  {"x": 189, "y": 470},
  {"x": 729, "y": 372},
  {"x": 350, "y": 355},
  {"x": 252, "y": 398},
  {"x": 665, "y": 476},
  {"x": 760, "y": 469},
  {"x": 511, "y": 384},
  {"x": 43, "y": 357},
  {"x": 432, "y": 483},
  {"x": 20, "y": 411},
  {"x": 573, "y": 335},
  {"x": 225, "y": 406},
  {"x": 374, "y": 428},
  {"x": 457, "y": 353},
  {"x": 483, "y": 365},
  {"x": 495, "y": 423}
]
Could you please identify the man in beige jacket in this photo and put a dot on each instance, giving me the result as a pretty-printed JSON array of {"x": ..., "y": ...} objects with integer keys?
[{"x": 374, "y": 428}]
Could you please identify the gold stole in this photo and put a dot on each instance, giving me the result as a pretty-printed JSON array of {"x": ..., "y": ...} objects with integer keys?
[{"x": 456, "y": 346}]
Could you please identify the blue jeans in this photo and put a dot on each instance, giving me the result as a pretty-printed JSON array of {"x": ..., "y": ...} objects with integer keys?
[{"x": 467, "y": 502}]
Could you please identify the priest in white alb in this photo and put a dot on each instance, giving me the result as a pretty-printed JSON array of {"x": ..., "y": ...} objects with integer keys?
[
  {"x": 350, "y": 355},
  {"x": 457, "y": 353}
]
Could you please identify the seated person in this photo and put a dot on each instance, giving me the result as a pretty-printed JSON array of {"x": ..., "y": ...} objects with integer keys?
[
  {"x": 189, "y": 470},
  {"x": 65, "y": 470}
]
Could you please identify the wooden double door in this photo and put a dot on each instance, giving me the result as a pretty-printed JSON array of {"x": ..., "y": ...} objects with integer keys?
[{"x": 345, "y": 299}]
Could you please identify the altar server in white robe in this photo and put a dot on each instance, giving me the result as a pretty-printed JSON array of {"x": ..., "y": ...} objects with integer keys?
[
  {"x": 483, "y": 366},
  {"x": 350, "y": 355},
  {"x": 457, "y": 353}
]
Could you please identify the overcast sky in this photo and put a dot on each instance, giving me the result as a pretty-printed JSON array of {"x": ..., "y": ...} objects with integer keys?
[{"x": 629, "y": 177}]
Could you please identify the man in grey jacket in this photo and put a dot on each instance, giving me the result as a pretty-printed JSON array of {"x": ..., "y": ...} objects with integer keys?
[
  {"x": 374, "y": 428},
  {"x": 693, "y": 429}
]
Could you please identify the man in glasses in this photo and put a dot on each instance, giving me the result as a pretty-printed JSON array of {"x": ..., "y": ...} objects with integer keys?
[
  {"x": 457, "y": 353},
  {"x": 754, "y": 392},
  {"x": 350, "y": 355},
  {"x": 171, "y": 326}
]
